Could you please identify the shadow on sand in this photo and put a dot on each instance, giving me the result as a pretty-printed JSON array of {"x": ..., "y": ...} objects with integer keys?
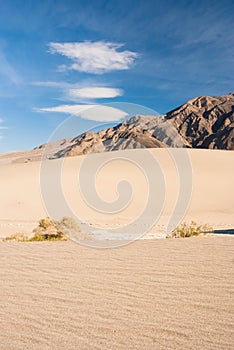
[{"x": 225, "y": 232}]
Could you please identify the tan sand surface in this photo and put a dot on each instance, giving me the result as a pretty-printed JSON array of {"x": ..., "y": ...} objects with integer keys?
[
  {"x": 212, "y": 197},
  {"x": 155, "y": 294}
]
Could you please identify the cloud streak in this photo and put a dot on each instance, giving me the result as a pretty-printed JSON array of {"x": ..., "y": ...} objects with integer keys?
[
  {"x": 98, "y": 113},
  {"x": 94, "y": 57},
  {"x": 82, "y": 91},
  {"x": 7, "y": 70},
  {"x": 95, "y": 92},
  {"x": 2, "y": 128}
]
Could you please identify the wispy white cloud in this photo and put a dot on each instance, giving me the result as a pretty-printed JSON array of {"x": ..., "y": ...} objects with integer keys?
[
  {"x": 52, "y": 84},
  {"x": 95, "y": 92},
  {"x": 83, "y": 92},
  {"x": 7, "y": 70},
  {"x": 94, "y": 57},
  {"x": 98, "y": 113},
  {"x": 2, "y": 128}
]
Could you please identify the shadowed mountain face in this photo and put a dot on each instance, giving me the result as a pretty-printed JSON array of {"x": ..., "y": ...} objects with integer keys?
[
  {"x": 206, "y": 122},
  {"x": 137, "y": 132},
  {"x": 203, "y": 122}
]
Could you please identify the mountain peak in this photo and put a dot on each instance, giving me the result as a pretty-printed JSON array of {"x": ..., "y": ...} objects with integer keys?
[
  {"x": 202, "y": 122},
  {"x": 206, "y": 122}
]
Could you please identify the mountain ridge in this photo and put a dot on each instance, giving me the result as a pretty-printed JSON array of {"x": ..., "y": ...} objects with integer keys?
[{"x": 202, "y": 122}]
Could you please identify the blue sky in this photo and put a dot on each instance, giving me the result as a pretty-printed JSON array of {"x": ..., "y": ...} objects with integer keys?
[{"x": 58, "y": 55}]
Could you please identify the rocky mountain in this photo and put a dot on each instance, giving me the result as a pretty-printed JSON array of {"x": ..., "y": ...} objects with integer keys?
[
  {"x": 206, "y": 122},
  {"x": 203, "y": 122},
  {"x": 130, "y": 134}
]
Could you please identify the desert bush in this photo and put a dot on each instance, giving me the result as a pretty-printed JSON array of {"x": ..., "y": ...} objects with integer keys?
[
  {"x": 45, "y": 223},
  {"x": 67, "y": 224},
  {"x": 36, "y": 238},
  {"x": 40, "y": 238},
  {"x": 190, "y": 230},
  {"x": 71, "y": 229},
  {"x": 47, "y": 230},
  {"x": 17, "y": 237},
  {"x": 50, "y": 230}
]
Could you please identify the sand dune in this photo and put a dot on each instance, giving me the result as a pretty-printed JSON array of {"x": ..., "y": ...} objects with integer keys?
[
  {"x": 212, "y": 196},
  {"x": 158, "y": 294},
  {"x": 150, "y": 294}
]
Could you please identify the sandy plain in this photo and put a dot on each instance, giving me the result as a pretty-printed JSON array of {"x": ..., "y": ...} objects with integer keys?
[
  {"x": 203, "y": 178},
  {"x": 150, "y": 294}
]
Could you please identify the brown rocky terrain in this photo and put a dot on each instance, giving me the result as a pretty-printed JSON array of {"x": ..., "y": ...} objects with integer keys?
[
  {"x": 206, "y": 122},
  {"x": 203, "y": 122}
]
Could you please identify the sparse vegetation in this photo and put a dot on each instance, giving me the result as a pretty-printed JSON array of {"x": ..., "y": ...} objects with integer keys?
[
  {"x": 17, "y": 237},
  {"x": 66, "y": 225},
  {"x": 48, "y": 230},
  {"x": 190, "y": 230}
]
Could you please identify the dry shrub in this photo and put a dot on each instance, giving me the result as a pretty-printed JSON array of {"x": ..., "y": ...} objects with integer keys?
[
  {"x": 16, "y": 237},
  {"x": 71, "y": 229},
  {"x": 190, "y": 230},
  {"x": 48, "y": 230}
]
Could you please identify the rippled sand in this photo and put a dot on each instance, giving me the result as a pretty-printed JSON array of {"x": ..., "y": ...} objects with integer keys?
[{"x": 155, "y": 294}]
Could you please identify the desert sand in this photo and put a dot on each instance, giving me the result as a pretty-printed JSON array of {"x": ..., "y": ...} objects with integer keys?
[
  {"x": 211, "y": 202},
  {"x": 152, "y": 294}
]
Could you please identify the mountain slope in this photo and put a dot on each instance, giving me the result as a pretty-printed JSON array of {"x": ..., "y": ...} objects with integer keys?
[
  {"x": 203, "y": 122},
  {"x": 127, "y": 135},
  {"x": 206, "y": 122}
]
